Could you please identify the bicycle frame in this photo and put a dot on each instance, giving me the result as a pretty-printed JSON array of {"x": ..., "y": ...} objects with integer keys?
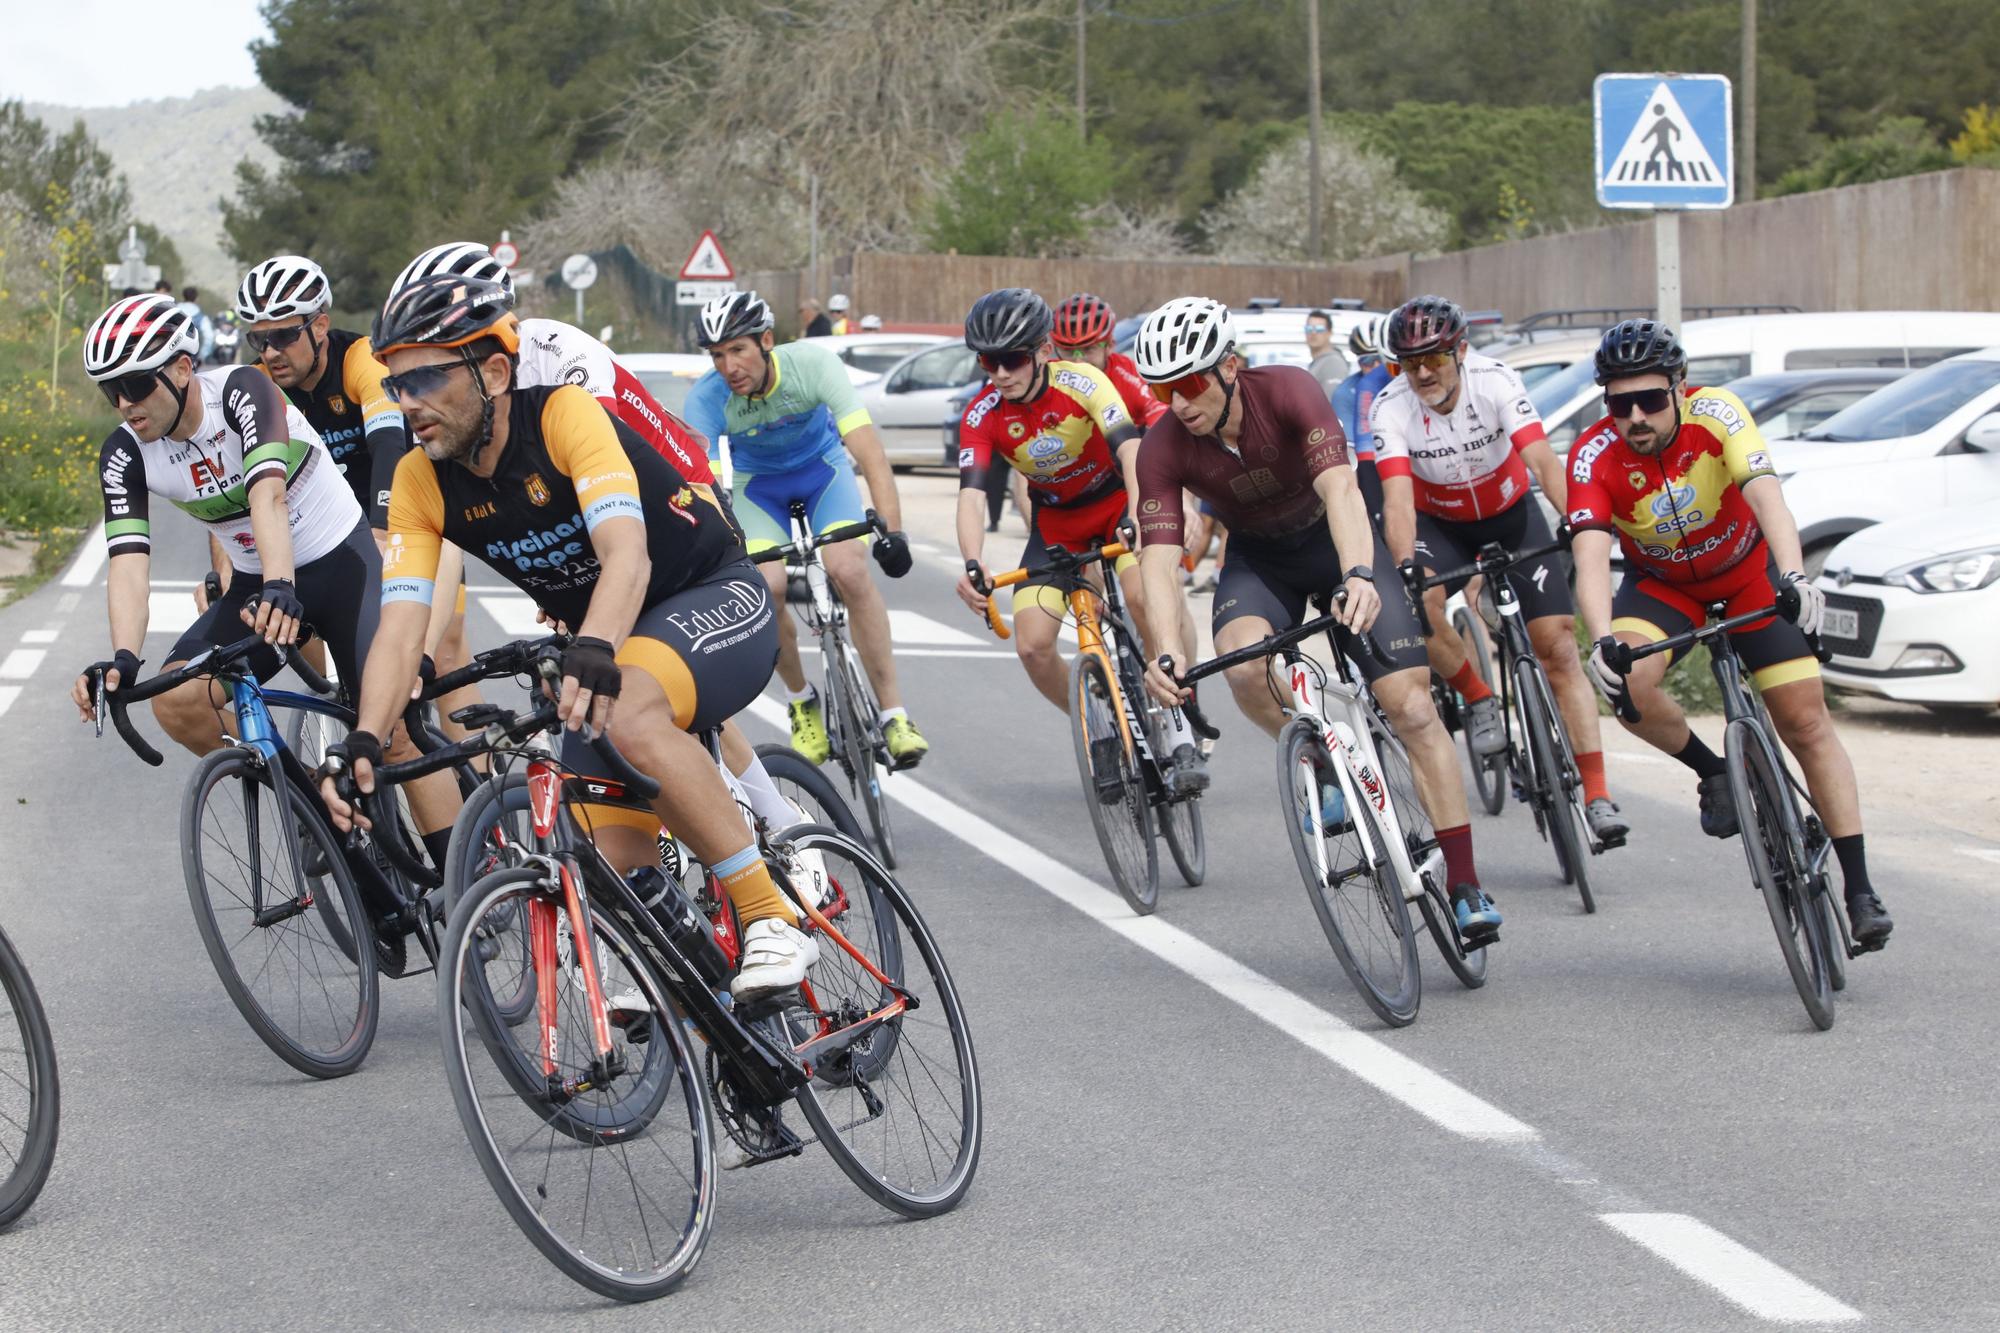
[{"x": 1083, "y": 600}]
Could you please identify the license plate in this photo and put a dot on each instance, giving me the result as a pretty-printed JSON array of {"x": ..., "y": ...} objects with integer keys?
[{"x": 1841, "y": 624}]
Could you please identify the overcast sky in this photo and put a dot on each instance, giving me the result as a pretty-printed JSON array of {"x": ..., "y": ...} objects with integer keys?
[{"x": 61, "y": 51}]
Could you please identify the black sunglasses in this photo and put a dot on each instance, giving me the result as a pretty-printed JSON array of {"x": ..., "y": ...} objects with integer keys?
[
  {"x": 421, "y": 382},
  {"x": 278, "y": 338},
  {"x": 1648, "y": 401},
  {"x": 1014, "y": 360},
  {"x": 133, "y": 388}
]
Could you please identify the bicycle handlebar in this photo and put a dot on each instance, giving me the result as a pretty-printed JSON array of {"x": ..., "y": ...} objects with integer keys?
[
  {"x": 210, "y": 663},
  {"x": 1060, "y": 562},
  {"x": 1622, "y": 656},
  {"x": 1283, "y": 639},
  {"x": 870, "y": 525},
  {"x": 509, "y": 659},
  {"x": 1493, "y": 559}
]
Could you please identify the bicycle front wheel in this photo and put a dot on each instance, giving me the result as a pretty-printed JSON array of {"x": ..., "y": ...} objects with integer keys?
[
  {"x": 860, "y": 724},
  {"x": 808, "y": 787},
  {"x": 1489, "y": 771},
  {"x": 290, "y": 939},
  {"x": 1556, "y": 778},
  {"x": 1469, "y": 966},
  {"x": 896, "y": 1097},
  {"x": 614, "y": 1183},
  {"x": 1180, "y": 825},
  {"x": 1349, "y": 877},
  {"x": 30, "y": 1096},
  {"x": 1113, "y": 788},
  {"x": 1771, "y": 845}
]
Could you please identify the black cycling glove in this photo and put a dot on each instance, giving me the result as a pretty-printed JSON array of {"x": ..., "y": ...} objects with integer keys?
[
  {"x": 282, "y": 598},
  {"x": 125, "y": 662},
  {"x": 892, "y": 552},
  {"x": 357, "y": 745},
  {"x": 594, "y": 665}
]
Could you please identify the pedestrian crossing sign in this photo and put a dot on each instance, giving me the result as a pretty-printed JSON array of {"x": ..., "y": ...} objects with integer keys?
[{"x": 1664, "y": 141}]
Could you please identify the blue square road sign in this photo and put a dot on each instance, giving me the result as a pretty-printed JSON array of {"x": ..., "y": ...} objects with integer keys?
[{"x": 1664, "y": 141}]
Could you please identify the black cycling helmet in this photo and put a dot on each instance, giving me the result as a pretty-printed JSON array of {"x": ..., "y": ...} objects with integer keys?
[
  {"x": 1424, "y": 324},
  {"x": 445, "y": 310},
  {"x": 1640, "y": 347},
  {"x": 1011, "y": 319},
  {"x": 737, "y": 315}
]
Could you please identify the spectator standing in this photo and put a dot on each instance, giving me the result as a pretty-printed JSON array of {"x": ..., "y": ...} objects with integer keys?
[
  {"x": 1328, "y": 366},
  {"x": 837, "y": 307},
  {"x": 813, "y": 320},
  {"x": 204, "y": 327}
]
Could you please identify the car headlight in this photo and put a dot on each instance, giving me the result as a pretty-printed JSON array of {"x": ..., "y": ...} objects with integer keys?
[{"x": 1964, "y": 571}]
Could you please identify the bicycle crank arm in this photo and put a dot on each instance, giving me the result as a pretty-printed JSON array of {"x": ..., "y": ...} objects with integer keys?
[{"x": 271, "y": 916}]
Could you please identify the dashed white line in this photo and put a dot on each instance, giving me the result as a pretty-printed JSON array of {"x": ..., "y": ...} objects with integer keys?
[
  {"x": 82, "y": 571},
  {"x": 1740, "y": 1274},
  {"x": 21, "y": 663},
  {"x": 1991, "y": 855},
  {"x": 39, "y": 636},
  {"x": 8, "y": 694}
]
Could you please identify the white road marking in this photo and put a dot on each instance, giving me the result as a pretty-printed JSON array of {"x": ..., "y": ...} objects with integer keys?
[
  {"x": 1988, "y": 854},
  {"x": 1739, "y": 1274},
  {"x": 169, "y": 612},
  {"x": 913, "y": 628},
  {"x": 82, "y": 571},
  {"x": 8, "y": 694},
  {"x": 21, "y": 663},
  {"x": 901, "y": 652},
  {"x": 39, "y": 636},
  {"x": 514, "y": 613},
  {"x": 68, "y": 602}
]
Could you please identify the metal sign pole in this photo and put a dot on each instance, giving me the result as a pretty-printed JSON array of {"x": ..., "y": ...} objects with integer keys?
[
  {"x": 1666, "y": 265},
  {"x": 579, "y": 307}
]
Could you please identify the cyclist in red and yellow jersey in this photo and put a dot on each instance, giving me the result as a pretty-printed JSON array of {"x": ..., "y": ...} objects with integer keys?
[
  {"x": 1683, "y": 478},
  {"x": 1083, "y": 333}
]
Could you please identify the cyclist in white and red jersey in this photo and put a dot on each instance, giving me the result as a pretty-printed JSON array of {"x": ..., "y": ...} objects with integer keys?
[{"x": 1455, "y": 440}]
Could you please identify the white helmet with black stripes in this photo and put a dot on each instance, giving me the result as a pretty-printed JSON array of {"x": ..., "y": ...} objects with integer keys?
[
  {"x": 737, "y": 315},
  {"x": 461, "y": 259},
  {"x": 283, "y": 286},
  {"x": 1186, "y": 336}
]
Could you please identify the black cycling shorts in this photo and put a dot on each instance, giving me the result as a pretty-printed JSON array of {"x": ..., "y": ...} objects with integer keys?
[
  {"x": 1275, "y": 581},
  {"x": 1542, "y": 585},
  {"x": 342, "y": 592},
  {"x": 1775, "y": 650}
]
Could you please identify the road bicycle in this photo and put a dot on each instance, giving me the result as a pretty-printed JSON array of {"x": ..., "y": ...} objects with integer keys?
[
  {"x": 1784, "y": 841},
  {"x": 1358, "y": 831},
  {"x": 298, "y": 922},
  {"x": 30, "y": 1092},
  {"x": 1121, "y": 732},
  {"x": 1539, "y": 760},
  {"x": 591, "y": 1045},
  {"x": 853, "y": 715},
  {"x": 1489, "y": 771}
]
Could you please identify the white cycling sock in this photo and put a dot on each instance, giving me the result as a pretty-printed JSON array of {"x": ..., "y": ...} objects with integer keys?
[
  {"x": 888, "y": 713},
  {"x": 792, "y": 696},
  {"x": 766, "y": 801}
]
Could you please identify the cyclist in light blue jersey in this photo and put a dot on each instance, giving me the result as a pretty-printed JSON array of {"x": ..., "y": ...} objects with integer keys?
[
  {"x": 1354, "y": 403},
  {"x": 792, "y": 416}
]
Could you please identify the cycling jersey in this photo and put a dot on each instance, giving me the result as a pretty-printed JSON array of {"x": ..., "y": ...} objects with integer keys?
[
  {"x": 566, "y": 467},
  {"x": 361, "y": 428},
  {"x": 1465, "y": 463},
  {"x": 805, "y": 411},
  {"x": 1063, "y": 441},
  {"x": 553, "y": 352},
  {"x": 1139, "y": 402},
  {"x": 1264, "y": 486},
  {"x": 1680, "y": 516},
  {"x": 1354, "y": 403},
  {"x": 248, "y": 432}
]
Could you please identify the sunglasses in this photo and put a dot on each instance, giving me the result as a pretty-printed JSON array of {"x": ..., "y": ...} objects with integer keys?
[
  {"x": 278, "y": 338},
  {"x": 992, "y": 361},
  {"x": 1187, "y": 386},
  {"x": 1431, "y": 361},
  {"x": 1648, "y": 401},
  {"x": 422, "y": 382},
  {"x": 133, "y": 388}
]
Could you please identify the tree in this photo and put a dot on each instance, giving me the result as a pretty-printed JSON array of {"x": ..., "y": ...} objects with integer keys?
[
  {"x": 1368, "y": 210},
  {"x": 1900, "y": 146},
  {"x": 1978, "y": 145},
  {"x": 71, "y": 246},
  {"x": 658, "y": 211},
  {"x": 67, "y": 181},
  {"x": 1024, "y": 187}
]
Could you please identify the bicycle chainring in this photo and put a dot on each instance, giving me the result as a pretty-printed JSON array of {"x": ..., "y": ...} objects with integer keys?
[{"x": 759, "y": 1131}]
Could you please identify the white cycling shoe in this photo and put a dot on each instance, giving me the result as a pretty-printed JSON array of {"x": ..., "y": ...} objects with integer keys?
[
  {"x": 810, "y": 880},
  {"x": 776, "y": 955}
]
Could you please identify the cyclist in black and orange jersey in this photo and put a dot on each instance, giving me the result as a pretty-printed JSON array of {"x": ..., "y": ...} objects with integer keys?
[
  {"x": 1062, "y": 425},
  {"x": 673, "y": 624},
  {"x": 1684, "y": 480}
]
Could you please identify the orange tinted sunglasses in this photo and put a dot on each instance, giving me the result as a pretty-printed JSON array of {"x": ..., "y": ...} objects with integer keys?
[{"x": 1187, "y": 386}]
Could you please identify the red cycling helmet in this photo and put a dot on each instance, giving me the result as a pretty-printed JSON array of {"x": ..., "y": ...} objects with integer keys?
[{"x": 1083, "y": 321}]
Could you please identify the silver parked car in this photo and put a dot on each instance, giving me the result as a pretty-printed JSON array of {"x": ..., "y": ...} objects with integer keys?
[{"x": 913, "y": 398}]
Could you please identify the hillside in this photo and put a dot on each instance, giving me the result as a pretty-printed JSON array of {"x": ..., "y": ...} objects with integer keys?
[{"x": 180, "y": 154}]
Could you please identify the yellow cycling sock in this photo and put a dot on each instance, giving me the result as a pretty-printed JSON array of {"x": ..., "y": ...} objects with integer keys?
[{"x": 747, "y": 881}]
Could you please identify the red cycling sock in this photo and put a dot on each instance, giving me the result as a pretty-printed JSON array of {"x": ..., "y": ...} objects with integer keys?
[
  {"x": 1456, "y": 843},
  {"x": 1591, "y": 768},
  {"x": 1468, "y": 684}
]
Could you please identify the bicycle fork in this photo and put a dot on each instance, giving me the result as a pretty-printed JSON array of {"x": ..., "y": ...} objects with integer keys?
[
  {"x": 607, "y": 1060},
  {"x": 1362, "y": 771},
  {"x": 260, "y": 739}
]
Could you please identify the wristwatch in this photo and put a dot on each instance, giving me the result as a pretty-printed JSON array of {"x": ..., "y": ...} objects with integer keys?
[{"x": 1360, "y": 572}]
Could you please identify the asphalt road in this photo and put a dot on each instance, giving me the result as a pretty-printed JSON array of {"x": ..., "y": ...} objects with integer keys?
[{"x": 1192, "y": 1120}]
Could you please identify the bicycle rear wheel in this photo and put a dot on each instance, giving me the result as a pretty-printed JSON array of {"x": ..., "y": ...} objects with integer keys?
[
  {"x": 30, "y": 1093},
  {"x": 1769, "y": 829},
  {"x": 860, "y": 724},
  {"x": 615, "y": 1183},
  {"x": 1113, "y": 788},
  {"x": 1556, "y": 778},
  {"x": 290, "y": 940},
  {"x": 1489, "y": 771},
  {"x": 807, "y": 787},
  {"x": 1349, "y": 878},
  {"x": 899, "y": 1106}
]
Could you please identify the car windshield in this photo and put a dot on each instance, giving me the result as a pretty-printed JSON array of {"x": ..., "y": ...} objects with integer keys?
[
  {"x": 1912, "y": 405},
  {"x": 1760, "y": 391},
  {"x": 945, "y": 367},
  {"x": 1552, "y": 394},
  {"x": 1535, "y": 374},
  {"x": 879, "y": 357},
  {"x": 668, "y": 389}
]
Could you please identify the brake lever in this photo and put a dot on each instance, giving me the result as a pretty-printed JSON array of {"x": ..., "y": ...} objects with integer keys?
[
  {"x": 98, "y": 706},
  {"x": 1195, "y": 717}
]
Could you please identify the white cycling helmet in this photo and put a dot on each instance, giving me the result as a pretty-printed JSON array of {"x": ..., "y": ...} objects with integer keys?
[
  {"x": 283, "y": 286},
  {"x": 138, "y": 333},
  {"x": 836, "y": 303},
  {"x": 737, "y": 315},
  {"x": 871, "y": 323},
  {"x": 461, "y": 259},
  {"x": 1186, "y": 336}
]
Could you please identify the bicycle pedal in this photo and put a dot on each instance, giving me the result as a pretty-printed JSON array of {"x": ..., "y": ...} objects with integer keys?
[
  {"x": 771, "y": 1004},
  {"x": 1616, "y": 840}
]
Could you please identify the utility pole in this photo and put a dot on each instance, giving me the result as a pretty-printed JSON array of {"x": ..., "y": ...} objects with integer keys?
[
  {"x": 1314, "y": 228},
  {"x": 1082, "y": 128},
  {"x": 1746, "y": 147}
]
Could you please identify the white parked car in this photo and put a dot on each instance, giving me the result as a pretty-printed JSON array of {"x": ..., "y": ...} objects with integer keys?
[
  {"x": 1913, "y": 609},
  {"x": 873, "y": 353},
  {"x": 667, "y": 375},
  {"x": 910, "y": 401}
]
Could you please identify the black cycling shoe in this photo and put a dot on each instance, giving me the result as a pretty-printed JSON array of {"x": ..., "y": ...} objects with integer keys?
[
  {"x": 1718, "y": 808},
  {"x": 1189, "y": 770},
  {"x": 1868, "y": 920},
  {"x": 1607, "y": 825}
]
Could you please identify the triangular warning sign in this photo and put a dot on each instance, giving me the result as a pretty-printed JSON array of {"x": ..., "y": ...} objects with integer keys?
[
  {"x": 706, "y": 261},
  {"x": 1663, "y": 151}
]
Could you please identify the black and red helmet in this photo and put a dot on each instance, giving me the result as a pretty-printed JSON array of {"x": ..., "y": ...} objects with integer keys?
[
  {"x": 1083, "y": 321},
  {"x": 446, "y": 310},
  {"x": 1425, "y": 324}
]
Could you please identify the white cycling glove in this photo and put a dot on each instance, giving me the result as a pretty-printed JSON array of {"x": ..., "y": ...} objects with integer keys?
[
  {"x": 1808, "y": 603},
  {"x": 1609, "y": 681}
]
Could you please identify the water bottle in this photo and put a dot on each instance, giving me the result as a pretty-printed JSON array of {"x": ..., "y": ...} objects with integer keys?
[{"x": 685, "y": 926}]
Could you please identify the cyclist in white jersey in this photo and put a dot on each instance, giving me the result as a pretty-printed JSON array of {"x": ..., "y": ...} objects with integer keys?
[{"x": 1456, "y": 438}]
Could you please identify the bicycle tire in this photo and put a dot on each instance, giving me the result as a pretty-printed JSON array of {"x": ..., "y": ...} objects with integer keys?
[
  {"x": 337, "y": 912},
  {"x": 1304, "y": 765},
  {"x": 1187, "y": 841},
  {"x": 1770, "y": 846},
  {"x": 1124, "y": 826},
  {"x": 28, "y": 1159},
  {"x": 1489, "y": 771},
  {"x": 859, "y": 1105},
  {"x": 1435, "y": 904},
  {"x": 860, "y": 725},
  {"x": 544, "y": 1148},
  {"x": 1555, "y": 777},
  {"x": 808, "y": 787}
]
